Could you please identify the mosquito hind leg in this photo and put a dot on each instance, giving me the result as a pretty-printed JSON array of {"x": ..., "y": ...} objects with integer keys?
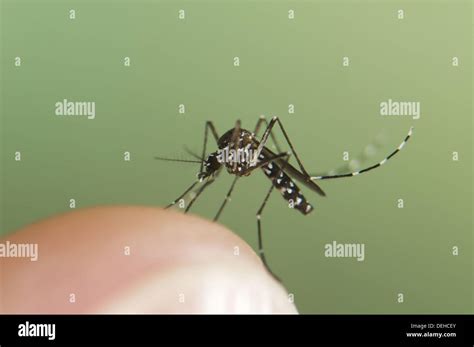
[
  {"x": 357, "y": 160},
  {"x": 367, "y": 169}
]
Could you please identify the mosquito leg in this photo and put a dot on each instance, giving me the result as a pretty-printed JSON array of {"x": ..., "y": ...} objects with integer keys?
[
  {"x": 227, "y": 198},
  {"x": 259, "y": 231},
  {"x": 182, "y": 195},
  {"x": 209, "y": 125},
  {"x": 302, "y": 176},
  {"x": 177, "y": 160},
  {"x": 260, "y": 164},
  {"x": 235, "y": 141},
  {"x": 259, "y": 224},
  {"x": 261, "y": 120},
  {"x": 236, "y": 132},
  {"x": 355, "y": 173},
  {"x": 361, "y": 158},
  {"x": 199, "y": 191},
  {"x": 267, "y": 133},
  {"x": 266, "y": 161}
]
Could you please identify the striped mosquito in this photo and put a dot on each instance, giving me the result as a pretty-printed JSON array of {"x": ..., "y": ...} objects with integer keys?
[{"x": 247, "y": 154}]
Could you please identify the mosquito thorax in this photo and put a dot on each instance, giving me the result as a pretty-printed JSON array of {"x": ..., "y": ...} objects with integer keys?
[{"x": 237, "y": 151}]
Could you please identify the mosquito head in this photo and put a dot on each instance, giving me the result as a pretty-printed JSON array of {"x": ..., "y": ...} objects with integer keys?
[{"x": 211, "y": 166}]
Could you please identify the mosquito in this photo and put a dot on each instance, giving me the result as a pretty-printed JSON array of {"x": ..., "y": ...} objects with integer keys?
[{"x": 248, "y": 153}]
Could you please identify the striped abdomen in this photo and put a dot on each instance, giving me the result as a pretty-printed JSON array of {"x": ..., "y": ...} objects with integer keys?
[{"x": 288, "y": 189}]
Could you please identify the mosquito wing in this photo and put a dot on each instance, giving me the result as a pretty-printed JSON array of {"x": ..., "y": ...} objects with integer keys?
[{"x": 294, "y": 172}]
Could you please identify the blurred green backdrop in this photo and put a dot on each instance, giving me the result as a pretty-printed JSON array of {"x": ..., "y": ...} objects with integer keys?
[{"x": 282, "y": 61}]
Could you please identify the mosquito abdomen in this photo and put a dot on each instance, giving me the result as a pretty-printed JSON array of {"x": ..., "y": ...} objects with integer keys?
[{"x": 288, "y": 189}]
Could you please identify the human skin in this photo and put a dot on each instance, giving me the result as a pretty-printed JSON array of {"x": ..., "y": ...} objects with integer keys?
[{"x": 132, "y": 259}]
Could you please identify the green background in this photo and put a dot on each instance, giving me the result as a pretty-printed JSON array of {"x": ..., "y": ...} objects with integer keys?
[{"x": 283, "y": 62}]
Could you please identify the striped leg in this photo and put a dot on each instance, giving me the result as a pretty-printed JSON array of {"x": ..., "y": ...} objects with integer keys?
[
  {"x": 268, "y": 132},
  {"x": 259, "y": 225},
  {"x": 355, "y": 173},
  {"x": 363, "y": 157},
  {"x": 259, "y": 165},
  {"x": 227, "y": 198},
  {"x": 302, "y": 176},
  {"x": 182, "y": 195},
  {"x": 261, "y": 120},
  {"x": 266, "y": 161},
  {"x": 198, "y": 192}
]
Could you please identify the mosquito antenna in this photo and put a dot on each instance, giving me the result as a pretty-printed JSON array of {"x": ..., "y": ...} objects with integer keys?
[
  {"x": 179, "y": 160},
  {"x": 186, "y": 148}
]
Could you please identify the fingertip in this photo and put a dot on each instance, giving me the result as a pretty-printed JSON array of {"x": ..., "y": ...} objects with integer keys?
[{"x": 108, "y": 257}]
